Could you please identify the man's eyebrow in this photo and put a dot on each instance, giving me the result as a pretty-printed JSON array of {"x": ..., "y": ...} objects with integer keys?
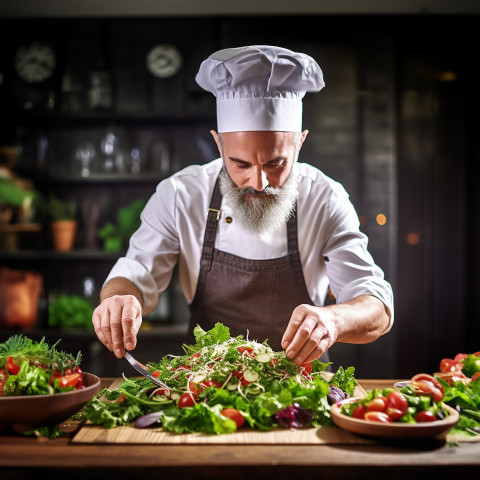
[{"x": 273, "y": 160}]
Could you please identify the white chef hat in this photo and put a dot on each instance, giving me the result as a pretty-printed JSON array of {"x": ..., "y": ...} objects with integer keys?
[{"x": 259, "y": 87}]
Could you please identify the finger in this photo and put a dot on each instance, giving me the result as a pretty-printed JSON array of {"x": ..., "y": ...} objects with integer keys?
[
  {"x": 112, "y": 326},
  {"x": 301, "y": 337},
  {"x": 293, "y": 325},
  {"x": 131, "y": 321},
  {"x": 96, "y": 320},
  {"x": 311, "y": 347}
]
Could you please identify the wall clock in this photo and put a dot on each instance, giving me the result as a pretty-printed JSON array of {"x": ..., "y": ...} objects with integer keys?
[
  {"x": 163, "y": 60},
  {"x": 35, "y": 63}
]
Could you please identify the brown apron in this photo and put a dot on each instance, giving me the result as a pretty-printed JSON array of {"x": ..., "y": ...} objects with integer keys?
[{"x": 254, "y": 297}]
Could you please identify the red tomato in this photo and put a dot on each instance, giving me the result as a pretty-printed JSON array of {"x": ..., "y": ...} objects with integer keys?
[
  {"x": 274, "y": 362},
  {"x": 449, "y": 365},
  {"x": 476, "y": 377},
  {"x": 248, "y": 350},
  {"x": 2, "y": 385},
  {"x": 452, "y": 377},
  {"x": 245, "y": 383},
  {"x": 213, "y": 383},
  {"x": 425, "y": 416},
  {"x": 195, "y": 388},
  {"x": 396, "y": 405},
  {"x": 77, "y": 369},
  {"x": 307, "y": 369},
  {"x": 235, "y": 415},
  {"x": 156, "y": 373},
  {"x": 195, "y": 355},
  {"x": 359, "y": 411},
  {"x": 69, "y": 380},
  {"x": 459, "y": 357},
  {"x": 11, "y": 366},
  {"x": 163, "y": 391},
  {"x": 68, "y": 371},
  {"x": 187, "y": 400},
  {"x": 3, "y": 373},
  {"x": 425, "y": 383},
  {"x": 378, "y": 417},
  {"x": 237, "y": 374},
  {"x": 377, "y": 404}
]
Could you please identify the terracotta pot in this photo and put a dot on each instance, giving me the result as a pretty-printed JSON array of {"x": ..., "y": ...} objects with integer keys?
[{"x": 63, "y": 233}]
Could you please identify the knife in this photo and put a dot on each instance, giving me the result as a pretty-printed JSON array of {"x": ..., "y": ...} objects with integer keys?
[{"x": 140, "y": 368}]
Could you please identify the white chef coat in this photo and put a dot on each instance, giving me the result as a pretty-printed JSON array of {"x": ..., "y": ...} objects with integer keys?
[{"x": 333, "y": 251}]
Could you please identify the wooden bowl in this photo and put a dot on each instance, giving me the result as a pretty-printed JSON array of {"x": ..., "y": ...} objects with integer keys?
[
  {"x": 22, "y": 413},
  {"x": 395, "y": 429}
]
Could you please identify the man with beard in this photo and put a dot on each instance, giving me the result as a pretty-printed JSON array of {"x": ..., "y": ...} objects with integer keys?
[{"x": 257, "y": 236}]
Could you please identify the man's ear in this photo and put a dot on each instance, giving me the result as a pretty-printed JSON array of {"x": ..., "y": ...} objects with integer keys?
[
  {"x": 303, "y": 137},
  {"x": 216, "y": 137}
]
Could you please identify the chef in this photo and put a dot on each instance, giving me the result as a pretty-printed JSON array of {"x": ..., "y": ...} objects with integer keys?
[{"x": 258, "y": 236}]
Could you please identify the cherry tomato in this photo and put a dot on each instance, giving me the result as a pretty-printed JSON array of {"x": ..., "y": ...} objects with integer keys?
[
  {"x": 459, "y": 357},
  {"x": 396, "y": 405},
  {"x": 156, "y": 373},
  {"x": 378, "y": 417},
  {"x": 11, "y": 366},
  {"x": 274, "y": 362},
  {"x": 195, "y": 355},
  {"x": 213, "y": 383},
  {"x": 235, "y": 415},
  {"x": 187, "y": 400},
  {"x": 195, "y": 388},
  {"x": 425, "y": 416},
  {"x": 245, "y": 383},
  {"x": 237, "y": 374},
  {"x": 377, "y": 404},
  {"x": 68, "y": 371},
  {"x": 248, "y": 350},
  {"x": 307, "y": 369},
  {"x": 476, "y": 377},
  {"x": 423, "y": 383},
  {"x": 450, "y": 365},
  {"x": 359, "y": 411},
  {"x": 163, "y": 391},
  {"x": 69, "y": 380}
]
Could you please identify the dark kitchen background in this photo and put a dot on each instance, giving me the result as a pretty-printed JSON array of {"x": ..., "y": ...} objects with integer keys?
[{"x": 397, "y": 125}]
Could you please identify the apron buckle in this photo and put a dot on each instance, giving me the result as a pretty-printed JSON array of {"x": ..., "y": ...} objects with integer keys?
[{"x": 214, "y": 210}]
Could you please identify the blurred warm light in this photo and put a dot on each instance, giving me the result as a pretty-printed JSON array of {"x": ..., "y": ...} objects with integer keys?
[
  {"x": 412, "y": 238},
  {"x": 448, "y": 76},
  {"x": 381, "y": 219}
]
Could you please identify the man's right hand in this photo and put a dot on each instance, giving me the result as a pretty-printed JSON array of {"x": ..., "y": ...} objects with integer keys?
[{"x": 117, "y": 321}]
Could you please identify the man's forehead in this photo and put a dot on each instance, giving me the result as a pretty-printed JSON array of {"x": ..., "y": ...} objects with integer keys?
[{"x": 259, "y": 139}]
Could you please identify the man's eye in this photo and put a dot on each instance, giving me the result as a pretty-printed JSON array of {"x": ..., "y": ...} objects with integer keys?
[{"x": 275, "y": 165}]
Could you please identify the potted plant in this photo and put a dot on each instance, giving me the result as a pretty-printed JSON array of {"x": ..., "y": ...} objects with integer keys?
[
  {"x": 63, "y": 222},
  {"x": 12, "y": 200}
]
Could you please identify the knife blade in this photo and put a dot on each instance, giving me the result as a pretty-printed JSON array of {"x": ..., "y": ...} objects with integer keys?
[{"x": 142, "y": 369}]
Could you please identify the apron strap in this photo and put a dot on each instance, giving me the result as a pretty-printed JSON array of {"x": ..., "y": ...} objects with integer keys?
[{"x": 213, "y": 215}]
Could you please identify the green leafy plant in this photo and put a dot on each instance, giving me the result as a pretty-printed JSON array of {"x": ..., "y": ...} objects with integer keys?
[
  {"x": 70, "y": 311},
  {"x": 116, "y": 236},
  {"x": 59, "y": 209},
  {"x": 11, "y": 194}
]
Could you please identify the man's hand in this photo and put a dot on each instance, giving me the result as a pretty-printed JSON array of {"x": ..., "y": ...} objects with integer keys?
[
  {"x": 310, "y": 333},
  {"x": 117, "y": 321}
]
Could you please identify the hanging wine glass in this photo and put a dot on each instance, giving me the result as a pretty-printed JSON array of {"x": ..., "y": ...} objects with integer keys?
[{"x": 85, "y": 154}]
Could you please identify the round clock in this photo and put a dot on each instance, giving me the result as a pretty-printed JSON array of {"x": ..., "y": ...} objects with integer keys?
[
  {"x": 163, "y": 60},
  {"x": 35, "y": 63}
]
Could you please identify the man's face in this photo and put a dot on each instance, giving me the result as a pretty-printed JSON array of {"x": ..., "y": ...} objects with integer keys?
[
  {"x": 259, "y": 181},
  {"x": 258, "y": 159}
]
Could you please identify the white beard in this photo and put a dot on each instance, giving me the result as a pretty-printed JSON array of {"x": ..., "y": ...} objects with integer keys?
[{"x": 261, "y": 214}]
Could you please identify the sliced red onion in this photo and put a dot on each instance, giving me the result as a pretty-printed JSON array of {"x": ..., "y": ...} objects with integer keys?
[
  {"x": 148, "y": 420},
  {"x": 294, "y": 416}
]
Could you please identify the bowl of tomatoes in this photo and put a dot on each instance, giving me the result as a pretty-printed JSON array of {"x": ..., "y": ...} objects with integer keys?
[
  {"x": 40, "y": 385},
  {"x": 26, "y": 412},
  {"x": 414, "y": 409}
]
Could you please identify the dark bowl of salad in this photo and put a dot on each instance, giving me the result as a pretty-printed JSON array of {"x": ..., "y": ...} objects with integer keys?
[
  {"x": 22, "y": 413},
  {"x": 40, "y": 386}
]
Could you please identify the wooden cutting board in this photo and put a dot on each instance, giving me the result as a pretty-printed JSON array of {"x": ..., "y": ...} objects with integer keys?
[{"x": 94, "y": 434}]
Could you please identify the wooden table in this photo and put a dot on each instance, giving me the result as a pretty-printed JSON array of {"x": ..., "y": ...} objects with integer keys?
[{"x": 30, "y": 458}]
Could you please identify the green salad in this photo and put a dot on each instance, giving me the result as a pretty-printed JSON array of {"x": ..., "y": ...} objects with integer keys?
[
  {"x": 220, "y": 384},
  {"x": 28, "y": 367}
]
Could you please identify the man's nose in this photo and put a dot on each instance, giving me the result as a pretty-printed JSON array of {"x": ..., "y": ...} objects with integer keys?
[{"x": 258, "y": 180}]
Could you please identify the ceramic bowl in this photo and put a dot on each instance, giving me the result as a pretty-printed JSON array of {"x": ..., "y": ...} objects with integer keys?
[
  {"x": 21, "y": 413},
  {"x": 395, "y": 429}
]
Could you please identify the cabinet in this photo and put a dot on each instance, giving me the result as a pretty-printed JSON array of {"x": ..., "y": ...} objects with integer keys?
[{"x": 101, "y": 129}]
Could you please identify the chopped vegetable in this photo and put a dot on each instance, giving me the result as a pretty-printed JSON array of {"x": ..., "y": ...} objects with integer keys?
[{"x": 222, "y": 383}]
